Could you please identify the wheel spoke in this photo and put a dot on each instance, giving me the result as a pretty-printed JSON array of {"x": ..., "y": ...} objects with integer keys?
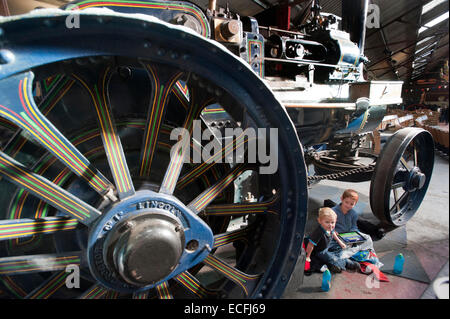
[
  {"x": 219, "y": 157},
  {"x": 245, "y": 281},
  {"x": 199, "y": 99},
  {"x": 17, "y": 228},
  {"x": 108, "y": 130},
  {"x": 405, "y": 163},
  {"x": 50, "y": 286},
  {"x": 46, "y": 190},
  {"x": 164, "y": 291},
  {"x": 94, "y": 292},
  {"x": 22, "y": 111},
  {"x": 396, "y": 207},
  {"x": 269, "y": 206},
  {"x": 162, "y": 81},
  {"x": 38, "y": 263},
  {"x": 230, "y": 237},
  {"x": 194, "y": 286},
  {"x": 140, "y": 295},
  {"x": 206, "y": 197}
]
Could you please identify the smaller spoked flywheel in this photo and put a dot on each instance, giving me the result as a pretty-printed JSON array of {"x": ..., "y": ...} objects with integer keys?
[{"x": 402, "y": 175}]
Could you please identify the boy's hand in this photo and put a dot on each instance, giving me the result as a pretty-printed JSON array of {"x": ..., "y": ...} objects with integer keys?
[
  {"x": 343, "y": 246},
  {"x": 308, "y": 259}
]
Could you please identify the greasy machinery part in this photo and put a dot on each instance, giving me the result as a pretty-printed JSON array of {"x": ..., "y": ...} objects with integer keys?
[
  {"x": 402, "y": 175},
  {"x": 84, "y": 185}
]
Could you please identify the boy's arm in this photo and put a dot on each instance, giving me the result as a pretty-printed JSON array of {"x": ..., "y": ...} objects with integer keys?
[
  {"x": 338, "y": 240},
  {"x": 309, "y": 250}
]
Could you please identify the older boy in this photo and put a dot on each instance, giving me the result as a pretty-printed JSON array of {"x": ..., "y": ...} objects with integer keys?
[{"x": 346, "y": 215}]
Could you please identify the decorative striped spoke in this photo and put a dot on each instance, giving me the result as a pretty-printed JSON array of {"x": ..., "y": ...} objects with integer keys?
[
  {"x": 17, "y": 228},
  {"x": 199, "y": 99},
  {"x": 49, "y": 286},
  {"x": 38, "y": 263},
  {"x": 218, "y": 157},
  {"x": 141, "y": 295},
  {"x": 108, "y": 130},
  {"x": 94, "y": 292},
  {"x": 46, "y": 190},
  {"x": 206, "y": 197},
  {"x": 245, "y": 281},
  {"x": 164, "y": 291},
  {"x": 194, "y": 286},
  {"x": 20, "y": 109},
  {"x": 230, "y": 237},
  {"x": 270, "y": 206},
  {"x": 163, "y": 80}
]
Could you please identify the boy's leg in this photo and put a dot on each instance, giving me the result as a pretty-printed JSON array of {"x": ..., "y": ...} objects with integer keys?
[{"x": 332, "y": 259}]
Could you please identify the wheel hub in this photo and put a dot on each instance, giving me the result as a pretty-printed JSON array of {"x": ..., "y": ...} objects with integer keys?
[
  {"x": 145, "y": 248},
  {"x": 416, "y": 180},
  {"x": 145, "y": 240}
]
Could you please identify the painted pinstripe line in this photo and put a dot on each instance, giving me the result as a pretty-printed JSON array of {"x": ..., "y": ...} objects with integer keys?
[
  {"x": 8, "y": 124},
  {"x": 37, "y": 263},
  {"x": 227, "y": 238},
  {"x": 141, "y": 295},
  {"x": 201, "y": 201},
  {"x": 139, "y": 4},
  {"x": 183, "y": 90},
  {"x": 10, "y": 229},
  {"x": 207, "y": 164},
  {"x": 242, "y": 208},
  {"x": 55, "y": 95},
  {"x": 39, "y": 122},
  {"x": 112, "y": 143},
  {"x": 94, "y": 292},
  {"x": 46, "y": 190},
  {"x": 193, "y": 285},
  {"x": 12, "y": 286},
  {"x": 176, "y": 162},
  {"x": 49, "y": 286},
  {"x": 32, "y": 121},
  {"x": 237, "y": 276},
  {"x": 158, "y": 104},
  {"x": 163, "y": 291}
]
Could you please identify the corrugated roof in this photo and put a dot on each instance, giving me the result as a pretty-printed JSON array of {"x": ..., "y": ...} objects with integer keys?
[{"x": 391, "y": 48}]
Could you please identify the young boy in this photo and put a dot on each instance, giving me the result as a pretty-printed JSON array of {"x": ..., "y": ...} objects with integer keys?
[{"x": 318, "y": 242}]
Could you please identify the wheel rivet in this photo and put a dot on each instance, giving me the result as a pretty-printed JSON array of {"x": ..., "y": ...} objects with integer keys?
[{"x": 6, "y": 56}]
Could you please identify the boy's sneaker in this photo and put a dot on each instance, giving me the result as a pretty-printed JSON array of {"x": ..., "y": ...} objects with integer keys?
[
  {"x": 351, "y": 265},
  {"x": 334, "y": 269}
]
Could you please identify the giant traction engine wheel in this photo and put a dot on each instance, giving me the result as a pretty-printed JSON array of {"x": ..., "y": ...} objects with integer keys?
[{"x": 88, "y": 180}]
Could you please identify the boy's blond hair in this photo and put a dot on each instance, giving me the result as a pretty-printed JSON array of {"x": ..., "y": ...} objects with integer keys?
[
  {"x": 327, "y": 212},
  {"x": 350, "y": 193}
]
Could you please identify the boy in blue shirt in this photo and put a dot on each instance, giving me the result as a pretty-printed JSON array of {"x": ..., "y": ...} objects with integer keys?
[{"x": 319, "y": 240}]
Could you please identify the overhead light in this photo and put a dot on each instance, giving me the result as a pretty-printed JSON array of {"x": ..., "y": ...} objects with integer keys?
[
  {"x": 433, "y": 22},
  {"x": 430, "y": 5}
]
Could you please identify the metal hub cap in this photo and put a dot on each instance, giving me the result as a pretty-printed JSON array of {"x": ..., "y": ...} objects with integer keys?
[
  {"x": 145, "y": 240},
  {"x": 148, "y": 248}
]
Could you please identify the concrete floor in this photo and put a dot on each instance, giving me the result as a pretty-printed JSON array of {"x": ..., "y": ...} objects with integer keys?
[{"x": 425, "y": 238}]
